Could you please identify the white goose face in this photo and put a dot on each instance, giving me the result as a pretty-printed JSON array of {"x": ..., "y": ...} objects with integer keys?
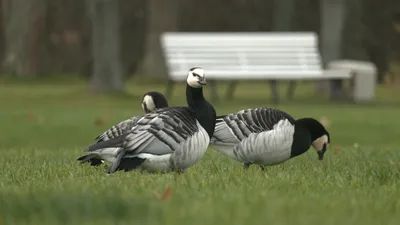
[
  {"x": 196, "y": 78},
  {"x": 148, "y": 104},
  {"x": 321, "y": 145}
]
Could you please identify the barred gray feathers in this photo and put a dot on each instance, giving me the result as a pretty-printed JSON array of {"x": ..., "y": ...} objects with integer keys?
[
  {"x": 267, "y": 148},
  {"x": 235, "y": 127},
  {"x": 118, "y": 129},
  {"x": 160, "y": 132}
]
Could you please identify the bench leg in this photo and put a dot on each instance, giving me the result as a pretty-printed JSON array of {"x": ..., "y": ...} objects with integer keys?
[
  {"x": 336, "y": 89},
  {"x": 274, "y": 89},
  {"x": 231, "y": 90},
  {"x": 290, "y": 90},
  {"x": 170, "y": 85},
  {"x": 214, "y": 93}
]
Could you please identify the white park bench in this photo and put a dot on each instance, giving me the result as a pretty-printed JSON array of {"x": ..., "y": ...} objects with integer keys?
[{"x": 246, "y": 56}]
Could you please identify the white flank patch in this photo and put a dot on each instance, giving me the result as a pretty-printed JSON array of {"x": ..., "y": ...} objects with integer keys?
[
  {"x": 265, "y": 148},
  {"x": 155, "y": 163}
]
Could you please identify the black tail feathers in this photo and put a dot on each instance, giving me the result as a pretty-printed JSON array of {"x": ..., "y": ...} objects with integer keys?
[
  {"x": 114, "y": 142},
  {"x": 90, "y": 159}
]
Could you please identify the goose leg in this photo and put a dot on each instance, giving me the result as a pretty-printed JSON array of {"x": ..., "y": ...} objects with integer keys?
[
  {"x": 179, "y": 171},
  {"x": 246, "y": 165},
  {"x": 177, "y": 175},
  {"x": 115, "y": 166}
]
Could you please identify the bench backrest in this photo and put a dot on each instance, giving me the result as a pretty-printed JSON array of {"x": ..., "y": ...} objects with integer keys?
[{"x": 225, "y": 55}]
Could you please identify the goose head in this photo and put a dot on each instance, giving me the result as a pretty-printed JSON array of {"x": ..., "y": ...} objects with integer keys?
[
  {"x": 153, "y": 100},
  {"x": 320, "y": 138},
  {"x": 196, "y": 77}
]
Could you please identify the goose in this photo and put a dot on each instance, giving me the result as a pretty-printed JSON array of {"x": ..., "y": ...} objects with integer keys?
[
  {"x": 267, "y": 136},
  {"x": 151, "y": 101},
  {"x": 168, "y": 139}
]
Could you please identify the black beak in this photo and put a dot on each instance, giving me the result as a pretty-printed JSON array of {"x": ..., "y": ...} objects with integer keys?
[
  {"x": 146, "y": 110},
  {"x": 202, "y": 81},
  {"x": 322, "y": 152}
]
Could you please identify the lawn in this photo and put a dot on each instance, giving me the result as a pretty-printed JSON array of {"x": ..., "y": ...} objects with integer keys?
[{"x": 45, "y": 126}]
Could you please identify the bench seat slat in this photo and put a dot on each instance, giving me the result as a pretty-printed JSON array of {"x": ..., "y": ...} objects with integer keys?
[
  {"x": 249, "y": 62},
  {"x": 217, "y": 49},
  {"x": 243, "y": 55},
  {"x": 285, "y": 75}
]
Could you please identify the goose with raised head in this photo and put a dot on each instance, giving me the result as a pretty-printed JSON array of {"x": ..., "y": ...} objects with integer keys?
[
  {"x": 267, "y": 136},
  {"x": 151, "y": 101},
  {"x": 168, "y": 139}
]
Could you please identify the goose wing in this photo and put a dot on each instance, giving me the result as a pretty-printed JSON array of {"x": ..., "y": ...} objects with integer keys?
[
  {"x": 233, "y": 128},
  {"x": 155, "y": 133},
  {"x": 118, "y": 129}
]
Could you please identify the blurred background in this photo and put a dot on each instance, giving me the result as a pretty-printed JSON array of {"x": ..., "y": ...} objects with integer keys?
[
  {"x": 78, "y": 55},
  {"x": 40, "y": 38}
]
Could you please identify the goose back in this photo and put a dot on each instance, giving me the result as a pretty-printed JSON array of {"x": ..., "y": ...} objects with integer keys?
[{"x": 235, "y": 127}]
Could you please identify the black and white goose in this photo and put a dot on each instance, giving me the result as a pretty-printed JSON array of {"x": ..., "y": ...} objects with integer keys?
[
  {"x": 267, "y": 136},
  {"x": 150, "y": 101},
  {"x": 169, "y": 139}
]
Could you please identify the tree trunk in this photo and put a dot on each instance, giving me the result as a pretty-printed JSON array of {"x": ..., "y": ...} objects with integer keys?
[
  {"x": 23, "y": 25},
  {"x": 134, "y": 15},
  {"x": 162, "y": 17},
  {"x": 332, "y": 12},
  {"x": 68, "y": 38},
  {"x": 107, "y": 71},
  {"x": 283, "y": 11}
]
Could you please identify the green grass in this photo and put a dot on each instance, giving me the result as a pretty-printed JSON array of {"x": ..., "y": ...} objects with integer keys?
[{"x": 45, "y": 126}]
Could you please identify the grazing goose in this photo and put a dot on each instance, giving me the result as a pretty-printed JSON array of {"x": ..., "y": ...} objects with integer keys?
[
  {"x": 267, "y": 136},
  {"x": 168, "y": 139},
  {"x": 150, "y": 101}
]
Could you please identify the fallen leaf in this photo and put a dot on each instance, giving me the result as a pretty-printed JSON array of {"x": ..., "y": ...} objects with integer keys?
[
  {"x": 157, "y": 195},
  {"x": 337, "y": 149},
  {"x": 167, "y": 194},
  {"x": 103, "y": 119},
  {"x": 107, "y": 117},
  {"x": 31, "y": 117},
  {"x": 98, "y": 122}
]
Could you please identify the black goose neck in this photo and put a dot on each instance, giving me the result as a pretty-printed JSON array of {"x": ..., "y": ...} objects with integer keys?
[
  {"x": 160, "y": 101},
  {"x": 312, "y": 126},
  {"x": 202, "y": 109},
  {"x": 301, "y": 138},
  {"x": 194, "y": 97}
]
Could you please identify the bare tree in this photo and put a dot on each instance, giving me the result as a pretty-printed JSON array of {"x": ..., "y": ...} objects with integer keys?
[
  {"x": 134, "y": 16},
  {"x": 107, "y": 70},
  {"x": 332, "y": 23},
  {"x": 162, "y": 17},
  {"x": 23, "y": 23},
  {"x": 283, "y": 11}
]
